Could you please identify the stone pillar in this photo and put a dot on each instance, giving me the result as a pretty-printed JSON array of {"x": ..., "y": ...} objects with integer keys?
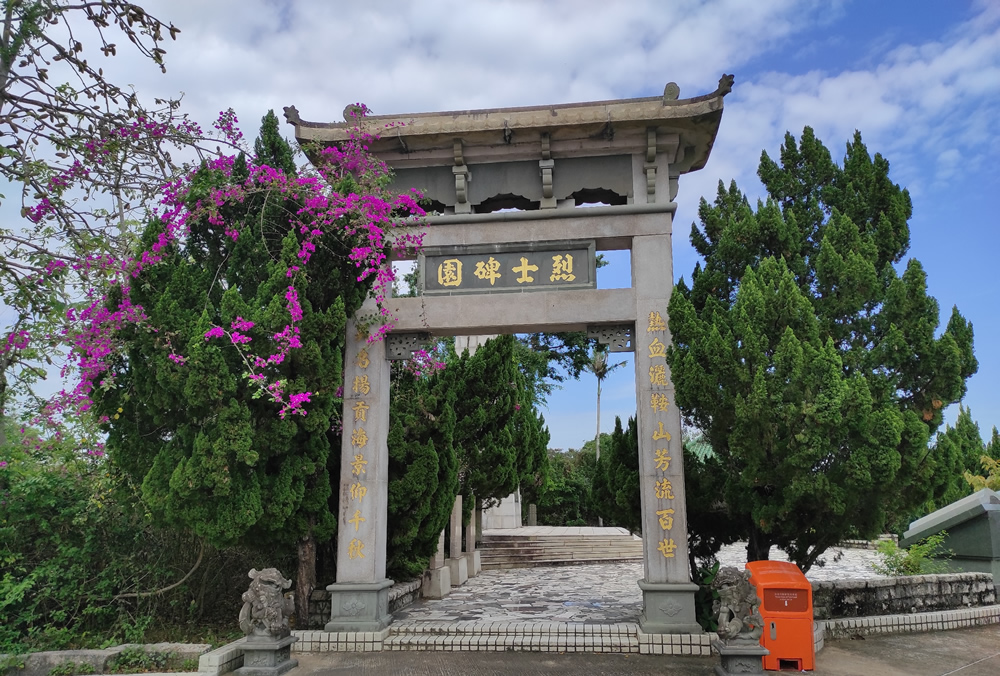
[
  {"x": 360, "y": 597},
  {"x": 532, "y": 515},
  {"x": 437, "y": 578},
  {"x": 472, "y": 560},
  {"x": 456, "y": 562},
  {"x": 667, "y": 589}
]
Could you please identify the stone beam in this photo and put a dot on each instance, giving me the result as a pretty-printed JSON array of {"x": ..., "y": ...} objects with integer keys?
[
  {"x": 513, "y": 312},
  {"x": 612, "y": 228}
]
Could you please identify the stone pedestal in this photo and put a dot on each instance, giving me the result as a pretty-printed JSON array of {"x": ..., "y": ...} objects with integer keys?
[
  {"x": 472, "y": 561},
  {"x": 267, "y": 656},
  {"x": 668, "y": 608},
  {"x": 459, "y": 571},
  {"x": 456, "y": 561},
  {"x": 359, "y": 606},
  {"x": 436, "y": 583},
  {"x": 740, "y": 658},
  {"x": 437, "y": 579}
]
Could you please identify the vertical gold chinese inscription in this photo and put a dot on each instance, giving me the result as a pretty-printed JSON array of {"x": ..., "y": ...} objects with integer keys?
[
  {"x": 361, "y": 385},
  {"x": 662, "y": 459},
  {"x": 524, "y": 268},
  {"x": 666, "y": 517},
  {"x": 359, "y": 465},
  {"x": 359, "y": 437},
  {"x": 357, "y": 520},
  {"x": 667, "y": 547},
  {"x": 656, "y": 323},
  {"x": 660, "y": 433},
  {"x": 664, "y": 490},
  {"x": 360, "y": 411},
  {"x": 358, "y": 492},
  {"x": 657, "y": 349},
  {"x": 362, "y": 360},
  {"x": 658, "y": 375},
  {"x": 562, "y": 268},
  {"x": 659, "y": 402},
  {"x": 355, "y": 549},
  {"x": 489, "y": 270},
  {"x": 450, "y": 272}
]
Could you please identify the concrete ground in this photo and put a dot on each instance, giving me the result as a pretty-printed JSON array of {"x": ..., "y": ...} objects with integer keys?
[{"x": 961, "y": 652}]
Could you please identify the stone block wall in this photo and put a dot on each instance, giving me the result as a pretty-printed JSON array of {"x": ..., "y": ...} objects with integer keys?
[{"x": 901, "y": 595}]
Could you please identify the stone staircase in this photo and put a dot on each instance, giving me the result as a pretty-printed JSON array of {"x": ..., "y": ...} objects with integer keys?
[{"x": 557, "y": 546}]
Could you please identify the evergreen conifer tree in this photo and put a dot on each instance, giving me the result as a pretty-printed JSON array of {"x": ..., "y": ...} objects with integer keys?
[
  {"x": 211, "y": 455},
  {"x": 809, "y": 362},
  {"x": 423, "y": 470}
]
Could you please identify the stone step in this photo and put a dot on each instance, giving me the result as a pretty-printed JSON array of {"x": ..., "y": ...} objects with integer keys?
[
  {"x": 568, "y": 552},
  {"x": 557, "y": 538},
  {"x": 538, "y": 563},
  {"x": 540, "y": 636},
  {"x": 524, "y": 551}
]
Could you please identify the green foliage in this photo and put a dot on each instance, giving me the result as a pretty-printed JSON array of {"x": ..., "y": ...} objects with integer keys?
[
  {"x": 617, "y": 482},
  {"x": 565, "y": 497},
  {"x": 990, "y": 477},
  {"x": 423, "y": 476},
  {"x": 963, "y": 447},
  {"x": 211, "y": 456},
  {"x": 706, "y": 596},
  {"x": 811, "y": 365},
  {"x": 921, "y": 558},
  {"x": 138, "y": 660},
  {"x": 74, "y": 546}
]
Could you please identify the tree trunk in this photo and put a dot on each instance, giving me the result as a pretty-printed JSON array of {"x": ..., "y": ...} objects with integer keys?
[
  {"x": 758, "y": 546},
  {"x": 305, "y": 581}
]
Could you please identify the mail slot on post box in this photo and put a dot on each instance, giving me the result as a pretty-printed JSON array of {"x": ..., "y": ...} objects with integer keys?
[{"x": 786, "y": 606}]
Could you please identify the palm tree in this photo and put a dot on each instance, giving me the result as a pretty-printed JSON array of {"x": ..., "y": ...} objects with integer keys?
[{"x": 600, "y": 367}]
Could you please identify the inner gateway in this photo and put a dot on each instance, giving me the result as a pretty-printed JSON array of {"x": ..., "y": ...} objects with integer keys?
[{"x": 544, "y": 161}]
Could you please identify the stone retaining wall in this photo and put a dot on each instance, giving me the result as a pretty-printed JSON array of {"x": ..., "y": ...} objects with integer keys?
[{"x": 901, "y": 595}]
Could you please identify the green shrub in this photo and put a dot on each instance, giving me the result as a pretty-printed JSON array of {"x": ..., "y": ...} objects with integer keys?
[
  {"x": 921, "y": 558},
  {"x": 706, "y": 596}
]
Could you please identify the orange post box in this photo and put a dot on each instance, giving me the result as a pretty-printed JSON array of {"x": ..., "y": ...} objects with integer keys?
[{"x": 787, "y": 608}]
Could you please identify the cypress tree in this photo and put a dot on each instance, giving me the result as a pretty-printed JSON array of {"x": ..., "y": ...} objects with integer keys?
[
  {"x": 210, "y": 453},
  {"x": 423, "y": 470},
  {"x": 809, "y": 362}
]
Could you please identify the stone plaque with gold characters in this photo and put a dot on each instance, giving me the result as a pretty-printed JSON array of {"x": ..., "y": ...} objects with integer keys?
[{"x": 509, "y": 268}]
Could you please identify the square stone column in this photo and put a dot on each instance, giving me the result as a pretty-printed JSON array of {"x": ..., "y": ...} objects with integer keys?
[
  {"x": 472, "y": 560},
  {"x": 437, "y": 578},
  {"x": 667, "y": 589},
  {"x": 360, "y": 597},
  {"x": 456, "y": 562}
]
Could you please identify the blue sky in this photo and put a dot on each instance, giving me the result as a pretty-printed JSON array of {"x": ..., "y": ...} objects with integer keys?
[{"x": 919, "y": 78}]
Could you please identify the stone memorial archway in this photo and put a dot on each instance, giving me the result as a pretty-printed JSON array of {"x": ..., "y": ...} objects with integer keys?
[{"x": 530, "y": 270}]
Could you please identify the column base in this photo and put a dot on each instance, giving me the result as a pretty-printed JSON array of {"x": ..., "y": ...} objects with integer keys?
[
  {"x": 459, "y": 571},
  {"x": 437, "y": 583},
  {"x": 474, "y": 563},
  {"x": 668, "y": 608},
  {"x": 740, "y": 658},
  {"x": 267, "y": 656},
  {"x": 359, "y": 606}
]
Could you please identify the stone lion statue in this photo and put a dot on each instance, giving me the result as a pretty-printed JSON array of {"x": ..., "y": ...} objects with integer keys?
[
  {"x": 265, "y": 608},
  {"x": 737, "y": 606}
]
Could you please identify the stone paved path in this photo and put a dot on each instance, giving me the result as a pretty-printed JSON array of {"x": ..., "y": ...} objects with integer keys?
[{"x": 590, "y": 594}]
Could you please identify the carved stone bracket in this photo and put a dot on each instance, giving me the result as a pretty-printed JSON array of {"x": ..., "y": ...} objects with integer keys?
[
  {"x": 545, "y": 167},
  {"x": 399, "y": 346},
  {"x": 462, "y": 179},
  {"x": 650, "y": 165},
  {"x": 618, "y": 337}
]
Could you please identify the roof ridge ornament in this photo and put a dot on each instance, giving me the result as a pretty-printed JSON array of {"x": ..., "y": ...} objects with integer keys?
[{"x": 725, "y": 84}]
